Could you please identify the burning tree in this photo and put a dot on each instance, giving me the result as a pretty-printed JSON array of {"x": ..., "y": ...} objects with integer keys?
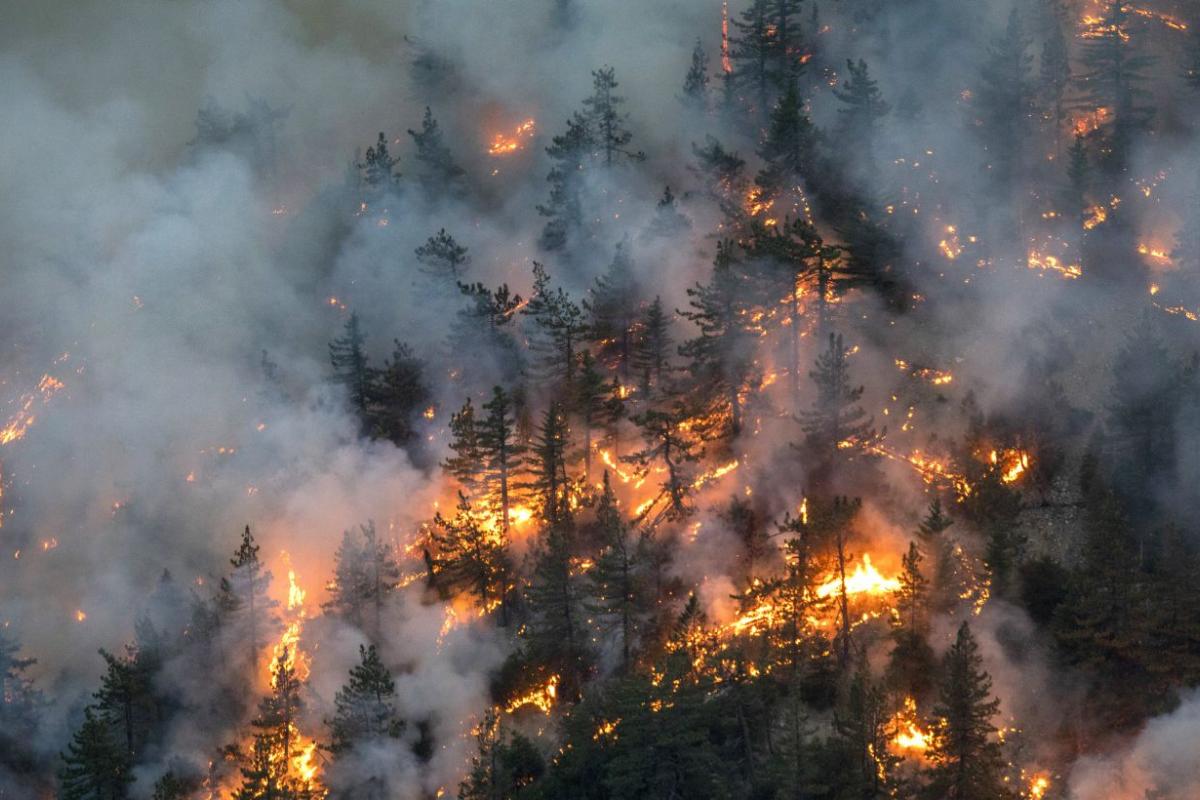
[
  {"x": 501, "y": 456},
  {"x": 670, "y": 440},
  {"x": 471, "y": 555},
  {"x": 279, "y": 765}
]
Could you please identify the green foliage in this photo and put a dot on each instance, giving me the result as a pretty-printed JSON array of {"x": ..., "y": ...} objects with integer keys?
[
  {"x": 964, "y": 759},
  {"x": 437, "y": 171},
  {"x": 95, "y": 765},
  {"x": 364, "y": 708},
  {"x": 443, "y": 258}
]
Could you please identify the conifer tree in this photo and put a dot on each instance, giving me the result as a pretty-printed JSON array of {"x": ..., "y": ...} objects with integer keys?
[
  {"x": 911, "y": 663},
  {"x": 470, "y": 555},
  {"x": 651, "y": 354},
  {"x": 788, "y": 42},
  {"x": 125, "y": 700},
  {"x": 248, "y": 584},
  {"x": 571, "y": 152},
  {"x": 795, "y": 641},
  {"x": 485, "y": 324},
  {"x": 721, "y": 174},
  {"x": 504, "y": 764},
  {"x": 95, "y": 765},
  {"x": 1005, "y": 103},
  {"x": 863, "y": 108},
  {"x": 789, "y": 148},
  {"x": 668, "y": 221},
  {"x": 1055, "y": 66},
  {"x": 695, "y": 83},
  {"x": 1145, "y": 396},
  {"x": 349, "y": 585},
  {"x": 364, "y": 708},
  {"x": 612, "y": 307},
  {"x": 377, "y": 172},
  {"x": 399, "y": 392},
  {"x": 175, "y": 786},
  {"x": 606, "y": 120},
  {"x": 348, "y": 356},
  {"x": 502, "y": 455},
  {"x": 1097, "y": 625},
  {"x": 548, "y": 479},
  {"x": 558, "y": 329},
  {"x": 964, "y": 758},
  {"x": 1113, "y": 77},
  {"x": 267, "y": 772},
  {"x": 667, "y": 443},
  {"x": 20, "y": 706},
  {"x": 597, "y": 405},
  {"x": 557, "y": 634},
  {"x": 617, "y": 581},
  {"x": 863, "y": 730},
  {"x": 437, "y": 171},
  {"x": 443, "y": 258},
  {"x": 467, "y": 462},
  {"x": 365, "y": 577},
  {"x": 722, "y": 355},
  {"x": 835, "y": 417},
  {"x": 788, "y": 258},
  {"x": 752, "y": 46},
  {"x": 873, "y": 250},
  {"x": 1078, "y": 177},
  {"x": 746, "y": 522},
  {"x": 946, "y": 582}
]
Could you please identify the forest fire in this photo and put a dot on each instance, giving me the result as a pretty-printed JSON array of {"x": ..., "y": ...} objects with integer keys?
[
  {"x": 504, "y": 144},
  {"x": 936, "y": 377},
  {"x": 910, "y": 739},
  {"x": 864, "y": 579},
  {"x": 541, "y": 697},
  {"x": 1048, "y": 263},
  {"x": 1011, "y": 463},
  {"x": 738, "y": 443},
  {"x": 21, "y": 421},
  {"x": 1156, "y": 254}
]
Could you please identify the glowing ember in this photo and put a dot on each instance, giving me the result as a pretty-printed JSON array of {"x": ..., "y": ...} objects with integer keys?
[
  {"x": 1049, "y": 263},
  {"x": 541, "y": 697},
  {"x": 1157, "y": 254},
  {"x": 20, "y": 422},
  {"x": 950, "y": 246},
  {"x": 1038, "y": 785}
]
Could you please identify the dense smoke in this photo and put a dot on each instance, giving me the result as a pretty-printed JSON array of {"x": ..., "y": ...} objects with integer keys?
[{"x": 187, "y": 227}]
